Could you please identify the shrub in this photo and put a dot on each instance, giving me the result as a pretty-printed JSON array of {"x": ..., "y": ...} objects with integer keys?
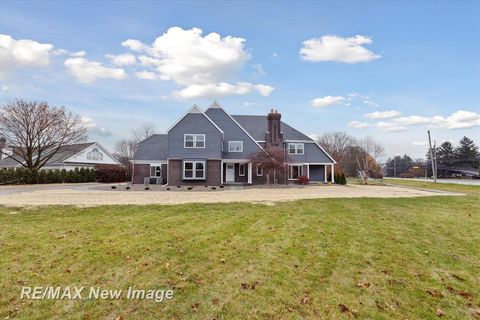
[
  {"x": 303, "y": 180},
  {"x": 343, "y": 179},
  {"x": 110, "y": 173}
]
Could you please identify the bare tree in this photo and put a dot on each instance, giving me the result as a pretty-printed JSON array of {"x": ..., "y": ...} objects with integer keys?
[
  {"x": 336, "y": 143},
  {"x": 367, "y": 159},
  {"x": 146, "y": 130},
  {"x": 36, "y": 131},
  {"x": 272, "y": 159},
  {"x": 124, "y": 151},
  {"x": 125, "y": 148}
]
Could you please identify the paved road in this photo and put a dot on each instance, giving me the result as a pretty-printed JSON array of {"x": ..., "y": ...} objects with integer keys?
[{"x": 469, "y": 182}]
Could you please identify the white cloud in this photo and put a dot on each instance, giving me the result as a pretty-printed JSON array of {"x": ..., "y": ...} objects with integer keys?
[
  {"x": 61, "y": 52},
  {"x": 274, "y": 55},
  {"x": 23, "y": 53},
  {"x": 371, "y": 103},
  {"x": 382, "y": 114},
  {"x": 326, "y": 101},
  {"x": 460, "y": 119},
  {"x": 146, "y": 75},
  {"x": 125, "y": 59},
  {"x": 201, "y": 65},
  {"x": 259, "y": 70},
  {"x": 420, "y": 143},
  {"x": 389, "y": 126},
  {"x": 333, "y": 48},
  {"x": 221, "y": 89},
  {"x": 134, "y": 45},
  {"x": 359, "y": 125},
  {"x": 89, "y": 71},
  {"x": 93, "y": 128},
  {"x": 187, "y": 57}
]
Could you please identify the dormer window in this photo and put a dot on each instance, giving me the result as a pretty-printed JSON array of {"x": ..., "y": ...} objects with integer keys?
[
  {"x": 295, "y": 148},
  {"x": 194, "y": 140},
  {"x": 235, "y": 146}
]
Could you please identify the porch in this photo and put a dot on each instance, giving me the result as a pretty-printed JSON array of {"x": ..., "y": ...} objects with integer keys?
[
  {"x": 236, "y": 172},
  {"x": 315, "y": 172}
]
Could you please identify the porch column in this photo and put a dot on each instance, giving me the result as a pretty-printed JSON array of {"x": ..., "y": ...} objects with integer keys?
[
  {"x": 308, "y": 171},
  {"x": 325, "y": 173},
  {"x": 249, "y": 172},
  {"x": 221, "y": 172},
  {"x": 333, "y": 175}
]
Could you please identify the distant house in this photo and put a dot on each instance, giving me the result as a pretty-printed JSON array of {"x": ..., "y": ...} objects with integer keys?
[
  {"x": 214, "y": 147},
  {"x": 69, "y": 157}
]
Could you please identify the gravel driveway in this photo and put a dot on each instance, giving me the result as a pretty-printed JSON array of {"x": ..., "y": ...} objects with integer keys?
[{"x": 82, "y": 195}]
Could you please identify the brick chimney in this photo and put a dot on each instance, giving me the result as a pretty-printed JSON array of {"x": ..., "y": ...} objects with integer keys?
[{"x": 274, "y": 136}]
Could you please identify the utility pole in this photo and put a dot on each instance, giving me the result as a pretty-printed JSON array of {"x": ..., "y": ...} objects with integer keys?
[
  {"x": 435, "y": 157},
  {"x": 431, "y": 158}
]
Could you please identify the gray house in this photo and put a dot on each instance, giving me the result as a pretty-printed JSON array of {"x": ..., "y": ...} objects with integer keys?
[{"x": 214, "y": 147}]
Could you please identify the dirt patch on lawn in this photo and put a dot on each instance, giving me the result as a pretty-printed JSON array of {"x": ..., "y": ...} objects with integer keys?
[{"x": 252, "y": 195}]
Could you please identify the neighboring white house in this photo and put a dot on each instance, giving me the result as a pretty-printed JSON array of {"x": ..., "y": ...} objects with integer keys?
[{"x": 69, "y": 157}]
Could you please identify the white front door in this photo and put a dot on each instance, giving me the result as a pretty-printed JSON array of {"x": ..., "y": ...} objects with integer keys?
[{"x": 230, "y": 173}]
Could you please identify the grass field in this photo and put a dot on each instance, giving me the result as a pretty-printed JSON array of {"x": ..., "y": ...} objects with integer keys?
[
  {"x": 310, "y": 259},
  {"x": 468, "y": 189}
]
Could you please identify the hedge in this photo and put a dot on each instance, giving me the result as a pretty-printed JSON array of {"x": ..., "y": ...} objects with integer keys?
[{"x": 27, "y": 176}]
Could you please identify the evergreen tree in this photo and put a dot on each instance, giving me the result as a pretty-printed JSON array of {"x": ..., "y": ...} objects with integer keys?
[
  {"x": 467, "y": 153},
  {"x": 446, "y": 154}
]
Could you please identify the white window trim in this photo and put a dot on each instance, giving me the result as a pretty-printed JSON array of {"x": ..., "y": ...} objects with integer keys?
[
  {"x": 296, "y": 147},
  {"x": 300, "y": 173},
  {"x": 241, "y": 165},
  {"x": 229, "y": 150},
  {"x": 194, "y": 170},
  {"x": 261, "y": 170},
  {"x": 155, "y": 166},
  {"x": 195, "y": 135}
]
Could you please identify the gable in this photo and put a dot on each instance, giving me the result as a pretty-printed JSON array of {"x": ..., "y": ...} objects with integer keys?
[
  {"x": 94, "y": 154},
  {"x": 195, "y": 123},
  {"x": 232, "y": 132}
]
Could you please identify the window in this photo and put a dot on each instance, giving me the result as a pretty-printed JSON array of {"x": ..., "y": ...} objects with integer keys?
[
  {"x": 235, "y": 146},
  {"x": 199, "y": 141},
  {"x": 295, "y": 171},
  {"x": 191, "y": 140},
  {"x": 295, "y": 148},
  {"x": 95, "y": 155},
  {"x": 259, "y": 170},
  {"x": 194, "y": 170},
  {"x": 241, "y": 170},
  {"x": 155, "y": 171}
]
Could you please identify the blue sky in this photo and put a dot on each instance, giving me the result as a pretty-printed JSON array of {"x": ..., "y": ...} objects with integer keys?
[{"x": 390, "y": 70}]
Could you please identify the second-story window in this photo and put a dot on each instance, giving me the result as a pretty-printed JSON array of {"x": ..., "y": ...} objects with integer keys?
[
  {"x": 235, "y": 146},
  {"x": 295, "y": 148},
  {"x": 191, "y": 140}
]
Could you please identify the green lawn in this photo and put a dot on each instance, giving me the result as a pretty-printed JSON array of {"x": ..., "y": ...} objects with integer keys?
[
  {"x": 310, "y": 259},
  {"x": 475, "y": 190}
]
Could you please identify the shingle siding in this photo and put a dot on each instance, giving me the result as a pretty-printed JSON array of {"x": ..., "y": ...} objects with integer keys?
[
  {"x": 194, "y": 123},
  {"x": 219, "y": 128},
  {"x": 232, "y": 132}
]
